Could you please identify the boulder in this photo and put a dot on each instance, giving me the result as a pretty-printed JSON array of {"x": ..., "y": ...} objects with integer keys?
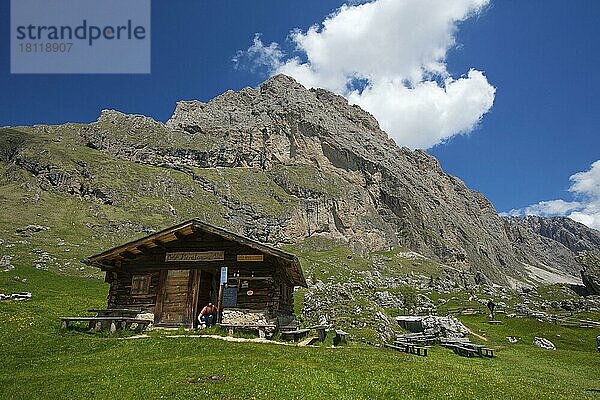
[
  {"x": 16, "y": 296},
  {"x": 448, "y": 326},
  {"x": 544, "y": 343},
  {"x": 29, "y": 229},
  {"x": 590, "y": 274},
  {"x": 5, "y": 264}
]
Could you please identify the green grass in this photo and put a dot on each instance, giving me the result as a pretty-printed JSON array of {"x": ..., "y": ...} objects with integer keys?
[
  {"x": 265, "y": 197},
  {"x": 328, "y": 261},
  {"x": 397, "y": 263},
  {"x": 39, "y": 360}
]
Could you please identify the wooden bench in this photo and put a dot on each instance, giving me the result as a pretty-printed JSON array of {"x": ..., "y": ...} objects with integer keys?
[
  {"x": 464, "y": 351},
  {"x": 261, "y": 328},
  {"x": 418, "y": 350},
  {"x": 481, "y": 350},
  {"x": 470, "y": 349},
  {"x": 113, "y": 323},
  {"x": 294, "y": 335},
  {"x": 409, "y": 348},
  {"x": 340, "y": 337},
  {"x": 293, "y": 326},
  {"x": 115, "y": 312},
  {"x": 487, "y": 352},
  {"x": 321, "y": 331}
]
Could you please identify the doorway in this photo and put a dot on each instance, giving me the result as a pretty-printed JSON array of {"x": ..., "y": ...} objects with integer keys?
[{"x": 206, "y": 291}]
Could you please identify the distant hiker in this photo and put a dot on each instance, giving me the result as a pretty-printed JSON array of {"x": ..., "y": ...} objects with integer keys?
[
  {"x": 598, "y": 342},
  {"x": 208, "y": 315},
  {"x": 491, "y": 306}
]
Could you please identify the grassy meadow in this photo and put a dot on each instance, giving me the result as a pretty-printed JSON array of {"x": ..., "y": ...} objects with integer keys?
[{"x": 40, "y": 361}]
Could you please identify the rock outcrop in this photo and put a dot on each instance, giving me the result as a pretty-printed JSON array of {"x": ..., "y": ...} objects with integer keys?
[
  {"x": 590, "y": 274},
  {"x": 571, "y": 234},
  {"x": 544, "y": 343}
]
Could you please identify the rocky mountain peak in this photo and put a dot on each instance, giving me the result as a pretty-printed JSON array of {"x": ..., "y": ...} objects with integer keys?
[
  {"x": 281, "y": 85},
  {"x": 117, "y": 118}
]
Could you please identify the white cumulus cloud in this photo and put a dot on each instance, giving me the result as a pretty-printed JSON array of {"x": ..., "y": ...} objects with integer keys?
[
  {"x": 585, "y": 187},
  {"x": 388, "y": 56}
]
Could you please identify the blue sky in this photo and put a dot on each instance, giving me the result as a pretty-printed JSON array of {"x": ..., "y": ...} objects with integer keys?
[{"x": 540, "y": 56}]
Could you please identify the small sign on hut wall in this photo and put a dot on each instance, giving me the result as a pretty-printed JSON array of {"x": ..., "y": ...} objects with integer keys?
[
  {"x": 223, "y": 275},
  {"x": 250, "y": 257},
  {"x": 187, "y": 256},
  {"x": 230, "y": 297}
]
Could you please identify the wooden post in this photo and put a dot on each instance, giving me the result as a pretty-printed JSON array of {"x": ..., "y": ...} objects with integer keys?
[
  {"x": 222, "y": 282},
  {"x": 321, "y": 333},
  {"x": 195, "y": 294},
  {"x": 220, "y": 303}
]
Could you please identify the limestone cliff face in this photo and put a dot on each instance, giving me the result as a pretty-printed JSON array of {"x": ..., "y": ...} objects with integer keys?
[
  {"x": 282, "y": 163},
  {"x": 397, "y": 196},
  {"x": 573, "y": 235}
]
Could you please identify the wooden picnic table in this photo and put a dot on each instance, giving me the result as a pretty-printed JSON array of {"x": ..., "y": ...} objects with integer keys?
[
  {"x": 321, "y": 331},
  {"x": 409, "y": 348},
  {"x": 294, "y": 335},
  {"x": 340, "y": 337},
  {"x": 293, "y": 326},
  {"x": 468, "y": 349}
]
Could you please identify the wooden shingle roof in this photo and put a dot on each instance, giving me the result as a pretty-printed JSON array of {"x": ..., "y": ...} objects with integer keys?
[{"x": 287, "y": 260}]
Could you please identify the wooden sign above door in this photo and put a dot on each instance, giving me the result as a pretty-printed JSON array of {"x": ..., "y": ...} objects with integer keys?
[
  {"x": 250, "y": 257},
  {"x": 187, "y": 256}
]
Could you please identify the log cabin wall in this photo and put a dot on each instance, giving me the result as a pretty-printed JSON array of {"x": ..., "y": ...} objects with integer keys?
[
  {"x": 271, "y": 288},
  {"x": 121, "y": 295},
  {"x": 255, "y": 287}
]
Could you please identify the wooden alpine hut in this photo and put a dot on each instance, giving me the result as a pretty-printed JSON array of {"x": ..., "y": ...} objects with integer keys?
[{"x": 170, "y": 275}]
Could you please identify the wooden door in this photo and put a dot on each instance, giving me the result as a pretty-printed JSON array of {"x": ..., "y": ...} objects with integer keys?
[{"x": 176, "y": 296}]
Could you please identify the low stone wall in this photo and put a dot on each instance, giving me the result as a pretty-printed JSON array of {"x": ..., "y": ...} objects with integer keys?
[{"x": 241, "y": 316}]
